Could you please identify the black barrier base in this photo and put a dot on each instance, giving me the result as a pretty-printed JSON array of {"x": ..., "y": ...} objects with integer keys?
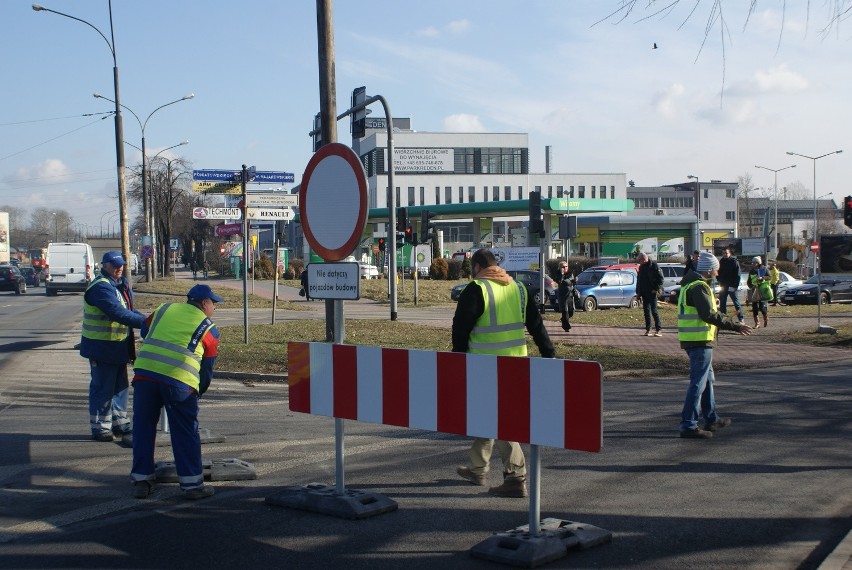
[
  {"x": 318, "y": 498},
  {"x": 554, "y": 540},
  {"x": 213, "y": 470},
  {"x": 164, "y": 440}
]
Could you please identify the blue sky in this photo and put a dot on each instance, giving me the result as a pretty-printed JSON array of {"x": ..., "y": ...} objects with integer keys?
[{"x": 598, "y": 94}]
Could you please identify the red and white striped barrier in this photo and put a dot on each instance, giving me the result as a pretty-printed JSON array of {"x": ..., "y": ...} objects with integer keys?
[{"x": 542, "y": 401}]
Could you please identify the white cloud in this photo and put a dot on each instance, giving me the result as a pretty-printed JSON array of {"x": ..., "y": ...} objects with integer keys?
[
  {"x": 50, "y": 171},
  {"x": 428, "y": 32},
  {"x": 664, "y": 102},
  {"x": 456, "y": 27},
  {"x": 780, "y": 79},
  {"x": 463, "y": 123}
]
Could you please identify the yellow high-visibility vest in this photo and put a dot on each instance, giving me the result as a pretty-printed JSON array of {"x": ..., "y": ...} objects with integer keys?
[
  {"x": 97, "y": 325},
  {"x": 690, "y": 327},
  {"x": 500, "y": 327},
  {"x": 173, "y": 346}
]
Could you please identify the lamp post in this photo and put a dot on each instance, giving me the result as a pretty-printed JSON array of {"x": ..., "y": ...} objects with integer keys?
[
  {"x": 698, "y": 240},
  {"x": 150, "y": 228},
  {"x": 145, "y": 203},
  {"x": 820, "y": 328},
  {"x": 101, "y": 224},
  {"x": 55, "y": 228},
  {"x": 119, "y": 136},
  {"x": 775, "y": 171}
]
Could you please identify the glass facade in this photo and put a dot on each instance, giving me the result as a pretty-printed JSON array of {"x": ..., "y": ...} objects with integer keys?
[{"x": 498, "y": 160}]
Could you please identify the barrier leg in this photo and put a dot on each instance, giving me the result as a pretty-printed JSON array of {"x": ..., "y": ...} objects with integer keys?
[
  {"x": 535, "y": 490},
  {"x": 338, "y": 456}
]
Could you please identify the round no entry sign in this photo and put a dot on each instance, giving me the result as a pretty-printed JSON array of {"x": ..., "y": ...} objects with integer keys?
[
  {"x": 333, "y": 201},
  {"x": 814, "y": 246}
]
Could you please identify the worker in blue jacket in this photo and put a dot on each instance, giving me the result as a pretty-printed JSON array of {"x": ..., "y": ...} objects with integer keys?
[{"x": 108, "y": 342}]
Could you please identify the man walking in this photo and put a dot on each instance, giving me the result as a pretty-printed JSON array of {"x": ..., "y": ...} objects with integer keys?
[
  {"x": 697, "y": 322},
  {"x": 729, "y": 281},
  {"x": 174, "y": 368},
  {"x": 107, "y": 341},
  {"x": 490, "y": 317},
  {"x": 649, "y": 286}
]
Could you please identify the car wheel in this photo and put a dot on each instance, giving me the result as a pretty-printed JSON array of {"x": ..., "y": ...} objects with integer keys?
[
  {"x": 824, "y": 299},
  {"x": 634, "y": 303},
  {"x": 590, "y": 304},
  {"x": 537, "y": 298}
]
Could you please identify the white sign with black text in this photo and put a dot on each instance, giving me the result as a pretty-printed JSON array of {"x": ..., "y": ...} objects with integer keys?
[{"x": 337, "y": 280}]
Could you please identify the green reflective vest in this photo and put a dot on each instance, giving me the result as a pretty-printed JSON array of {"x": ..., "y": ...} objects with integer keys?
[
  {"x": 500, "y": 327},
  {"x": 97, "y": 325},
  {"x": 173, "y": 346},
  {"x": 690, "y": 327}
]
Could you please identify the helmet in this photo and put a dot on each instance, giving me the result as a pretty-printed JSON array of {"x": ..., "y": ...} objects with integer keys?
[{"x": 756, "y": 259}]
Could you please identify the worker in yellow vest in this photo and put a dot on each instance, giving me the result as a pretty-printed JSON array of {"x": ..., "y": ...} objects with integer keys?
[
  {"x": 697, "y": 322},
  {"x": 490, "y": 317},
  {"x": 173, "y": 368},
  {"x": 107, "y": 341}
]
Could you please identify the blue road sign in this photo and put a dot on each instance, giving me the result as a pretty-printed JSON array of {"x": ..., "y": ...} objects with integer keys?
[
  {"x": 214, "y": 174},
  {"x": 276, "y": 177}
]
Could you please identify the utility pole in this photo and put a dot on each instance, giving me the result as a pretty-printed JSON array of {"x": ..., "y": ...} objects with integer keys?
[{"x": 328, "y": 107}]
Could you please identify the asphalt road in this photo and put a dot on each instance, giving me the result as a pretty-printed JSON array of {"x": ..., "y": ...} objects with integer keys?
[{"x": 772, "y": 491}]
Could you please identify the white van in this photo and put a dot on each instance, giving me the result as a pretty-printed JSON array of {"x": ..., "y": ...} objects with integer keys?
[{"x": 70, "y": 267}]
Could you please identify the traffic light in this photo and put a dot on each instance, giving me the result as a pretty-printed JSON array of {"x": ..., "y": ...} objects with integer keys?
[
  {"x": 847, "y": 211},
  {"x": 536, "y": 225},
  {"x": 410, "y": 236},
  {"x": 426, "y": 226},
  {"x": 381, "y": 244},
  {"x": 401, "y": 219},
  {"x": 359, "y": 118},
  {"x": 400, "y": 239},
  {"x": 567, "y": 227}
]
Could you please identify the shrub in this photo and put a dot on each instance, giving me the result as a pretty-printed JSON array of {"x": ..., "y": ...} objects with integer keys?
[
  {"x": 439, "y": 268},
  {"x": 263, "y": 268},
  {"x": 454, "y": 269}
]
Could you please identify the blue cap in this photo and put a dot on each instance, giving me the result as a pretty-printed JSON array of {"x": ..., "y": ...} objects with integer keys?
[
  {"x": 201, "y": 292},
  {"x": 113, "y": 257}
]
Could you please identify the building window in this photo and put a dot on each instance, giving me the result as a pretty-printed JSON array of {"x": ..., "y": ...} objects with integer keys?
[
  {"x": 520, "y": 192},
  {"x": 571, "y": 192},
  {"x": 422, "y": 195},
  {"x": 550, "y": 191},
  {"x": 730, "y": 216},
  {"x": 471, "y": 194},
  {"x": 676, "y": 202},
  {"x": 581, "y": 191},
  {"x": 612, "y": 192},
  {"x": 461, "y": 194},
  {"x": 448, "y": 194},
  {"x": 437, "y": 194},
  {"x": 495, "y": 193},
  {"x": 730, "y": 193},
  {"x": 705, "y": 193},
  {"x": 411, "y": 195},
  {"x": 593, "y": 191},
  {"x": 538, "y": 189},
  {"x": 706, "y": 216},
  {"x": 645, "y": 202},
  {"x": 398, "y": 201},
  {"x": 507, "y": 193},
  {"x": 560, "y": 192}
]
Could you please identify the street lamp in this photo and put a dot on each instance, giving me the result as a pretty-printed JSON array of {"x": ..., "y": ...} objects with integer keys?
[
  {"x": 698, "y": 240},
  {"x": 820, "y": 328},
  {"x": 101, "y": 224},
  {"x": 119, "y": 136},
  {"x": 145, "y": 203},
  {"x": 775, "y": 171}
]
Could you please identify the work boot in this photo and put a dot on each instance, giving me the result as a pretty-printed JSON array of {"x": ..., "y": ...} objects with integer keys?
[
  {"x": 142, "y": 489},
  {"x": 200, "y": 492},
  {"x": 475, "y": 478},
  {"x": 765, "y": 321},
  {"x": 515, "y": 487},
  {"x": 718, "y": 424},
  {"x": 102, "y": 436},
  {"x": 696, "y": 434}
]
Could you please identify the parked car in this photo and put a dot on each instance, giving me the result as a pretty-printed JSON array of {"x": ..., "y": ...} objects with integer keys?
[
  {"x": 368, "y": 271},
  {"x": 672, "y": 273},
  {"x": 11, "y": 279},
  {"x": 785, "y": 280},
  {"x": 70, "y": 267},
  {"x": 530, "y": 279},
  {"x": 601, "y": 288},
  {"x": 834, "y": 288},
  {"x": 670, "y": 294},
  {"x": 32, "y": 276}
]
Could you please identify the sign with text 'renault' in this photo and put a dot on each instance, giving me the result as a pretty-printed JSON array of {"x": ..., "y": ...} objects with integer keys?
[
  {"x": 339, "y": 280},
  {"x": 283, "y": 214}
]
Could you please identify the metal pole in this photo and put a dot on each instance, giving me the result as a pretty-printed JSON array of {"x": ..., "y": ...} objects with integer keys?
[
  {"x": 535, "y": 490},
  {"x": 243, "y": 179}
]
